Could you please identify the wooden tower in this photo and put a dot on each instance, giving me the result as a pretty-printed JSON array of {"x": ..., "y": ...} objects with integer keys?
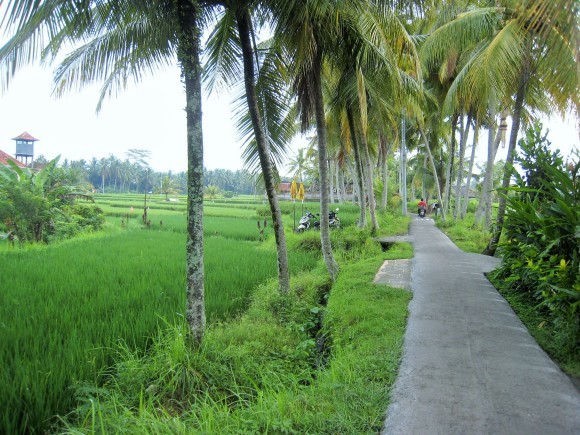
[{"x": 25, "y": 147}]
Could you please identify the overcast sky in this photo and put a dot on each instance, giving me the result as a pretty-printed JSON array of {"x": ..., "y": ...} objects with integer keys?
[{"x": 148, "y": 115}]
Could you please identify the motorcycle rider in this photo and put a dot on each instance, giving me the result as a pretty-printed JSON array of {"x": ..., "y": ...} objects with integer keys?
[{"x": 420, "y": 205}]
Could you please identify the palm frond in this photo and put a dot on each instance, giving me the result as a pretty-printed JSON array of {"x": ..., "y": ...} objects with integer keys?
[{"x": 223, "y": 53}]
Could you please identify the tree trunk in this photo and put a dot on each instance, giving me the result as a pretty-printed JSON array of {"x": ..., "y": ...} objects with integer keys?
[
  {"x": 491, "y": 150},
  {"x": 423, "y": 188},
  {"x": 188, "y": 50},
  {"x": 516, "y": 119},
  {"x": 331, "y": 180},
  {"x": 331, "y": 264},
  {"x": 244, "y": 26},
  {"x": 462, "y": 146},
  {"x": 355, "y": 185},
  {"x": 470, "y": 171},
  {"x": 362, "y": 223},
  {"x": 383, "y": 165},
  {"x": 342, "y": 186},
  {"x": 449, "y": 165},
  {"x": 339, "y": 191},
  {"x": 370, "y": 187},
  {"x": 434, "y": 169},
  {"x": 485, "y": 203}
]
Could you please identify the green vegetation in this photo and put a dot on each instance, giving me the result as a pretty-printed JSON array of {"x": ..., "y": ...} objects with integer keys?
[
  {"x": 541, "y": 254},
  {"x": 319, "y": 360},
  {"x": 465, "y": 233},
  {"x": 39, "y": 206},
  {"x": 65, "y": 306},
  {"x": 104, "y": 298}
]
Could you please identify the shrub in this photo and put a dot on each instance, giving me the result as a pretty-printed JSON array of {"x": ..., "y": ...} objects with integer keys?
[{"x": 541, "y": 251}]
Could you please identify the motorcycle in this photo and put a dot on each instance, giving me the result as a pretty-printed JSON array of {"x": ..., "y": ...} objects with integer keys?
[
  {"x": 304, "y": 222},
  {"x": 333, "y": 220},
  {"x": 422, "y": 211}
]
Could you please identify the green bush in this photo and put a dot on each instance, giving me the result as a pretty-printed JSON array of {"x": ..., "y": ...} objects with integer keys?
[{"x": 541, "y": 251}]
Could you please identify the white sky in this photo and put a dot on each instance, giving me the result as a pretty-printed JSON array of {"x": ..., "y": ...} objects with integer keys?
[{"x": 148, "y": 115}]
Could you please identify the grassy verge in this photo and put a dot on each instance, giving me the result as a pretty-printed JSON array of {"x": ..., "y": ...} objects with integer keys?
[
  {"x": 465, "y": 234},
  {"x": 319, "y": 360}
]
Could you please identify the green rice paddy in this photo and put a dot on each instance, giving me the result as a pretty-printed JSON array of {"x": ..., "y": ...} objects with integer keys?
[{"x": 63, "y": 307}]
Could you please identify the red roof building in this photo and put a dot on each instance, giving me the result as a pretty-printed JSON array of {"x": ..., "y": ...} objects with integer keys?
[{"x": 4, "y": 157}]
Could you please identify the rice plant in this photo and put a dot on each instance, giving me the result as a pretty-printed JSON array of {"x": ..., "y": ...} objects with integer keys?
[{"x": 64, "y": 307}]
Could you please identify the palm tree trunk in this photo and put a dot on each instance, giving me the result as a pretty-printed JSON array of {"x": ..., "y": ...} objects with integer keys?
[
  {"x": 470, "y": 171},
  {"x": 491, "y": 150},
  {"x": 434, "y": 169},
  {"x": 462, "y": 146},
  {"x": 331, "y": 264},
  {"x": 449, "y": 165},
  {"x": 342, "y": 186},
  {"x": 423, "y": 188},
  {"x": 362, "y": 222},
  {"x": 331, "y": 179},
  {"x": 370, "y": 188},
  {"x": 339, "y": 191},
  {"x": 485, "y": 202},
  {"x": 383, "y": 165},
  {"x": 244, "y": 26},
  {"x": 188, "y": 50},
  {"x": 355, "y": 185},
  {"x": 516, "y": 119}
]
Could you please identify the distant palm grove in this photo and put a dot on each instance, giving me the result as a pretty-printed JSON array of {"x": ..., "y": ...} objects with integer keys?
[
  {"x": 115, "y": 175},
  {"x": 396, "y": 97}
]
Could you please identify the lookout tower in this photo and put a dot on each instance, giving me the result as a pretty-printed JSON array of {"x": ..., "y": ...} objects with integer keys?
[{"x": 25, "y": 147}]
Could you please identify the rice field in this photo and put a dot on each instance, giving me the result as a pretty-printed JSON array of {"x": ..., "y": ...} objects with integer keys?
[{"x": 63, "y": 307}]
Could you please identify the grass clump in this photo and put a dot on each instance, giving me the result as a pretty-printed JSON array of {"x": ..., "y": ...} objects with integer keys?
[{"x": 468, "y": 236}]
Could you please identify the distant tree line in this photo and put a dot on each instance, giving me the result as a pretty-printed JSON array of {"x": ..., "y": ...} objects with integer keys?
[{"x": 134, "y": 175}]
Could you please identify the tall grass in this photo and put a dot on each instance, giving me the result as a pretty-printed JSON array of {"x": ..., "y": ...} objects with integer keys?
[
  {"x": 64, "y": 307},
  {"x": 258, "y": 374}
]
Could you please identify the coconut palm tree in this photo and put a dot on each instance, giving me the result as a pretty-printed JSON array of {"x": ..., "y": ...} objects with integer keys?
[
  {"x": 308, "y": 30},
  {"x": 527, "y": 49},
  {"x": 235, "y": 32},
  {"x": 297, "y": 165},
  {"x": 122, "y": 39}
]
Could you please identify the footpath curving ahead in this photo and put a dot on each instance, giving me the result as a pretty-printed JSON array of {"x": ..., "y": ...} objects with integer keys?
[{"x": 469, "y": 365}]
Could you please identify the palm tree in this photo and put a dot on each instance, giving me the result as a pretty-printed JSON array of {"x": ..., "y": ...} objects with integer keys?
[
  {"x": 122, "y": 39},
  {"x": 237, "y": 15},
  {"x": 104, "y": 171},
  {"x": 522, "y": 48},
  {"x": 298, "y": 164},
  {"x": 308, "y": 30}
]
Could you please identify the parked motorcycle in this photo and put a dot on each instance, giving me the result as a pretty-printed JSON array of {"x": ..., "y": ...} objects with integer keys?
[
  {"x": 304, "y": 222},
  {"x": 333, "y": 220}
]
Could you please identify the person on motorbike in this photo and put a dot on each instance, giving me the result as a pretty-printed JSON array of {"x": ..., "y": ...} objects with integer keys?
[{"x": 420, "y": 205}]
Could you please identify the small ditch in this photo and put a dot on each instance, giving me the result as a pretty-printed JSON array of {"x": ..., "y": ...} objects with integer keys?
[
  {"x": 385, "y": 246},
  {"x": 318, "y": 333}
]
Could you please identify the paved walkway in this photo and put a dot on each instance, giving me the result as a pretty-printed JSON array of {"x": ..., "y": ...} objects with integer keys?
[{"x": 469, "y": 365}]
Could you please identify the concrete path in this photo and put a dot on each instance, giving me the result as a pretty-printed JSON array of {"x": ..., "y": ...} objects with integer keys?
[{"x": 469, "y": 365}]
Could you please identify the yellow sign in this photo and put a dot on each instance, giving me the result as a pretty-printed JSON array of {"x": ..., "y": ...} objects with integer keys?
[
  {"x": 301, "y": 192},
  {"x": 293, "y": 190}
]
